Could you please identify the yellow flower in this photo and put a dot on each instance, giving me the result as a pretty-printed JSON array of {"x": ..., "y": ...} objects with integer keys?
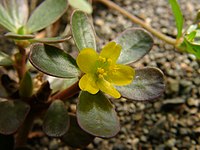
[{"x": 102, "y": 72}]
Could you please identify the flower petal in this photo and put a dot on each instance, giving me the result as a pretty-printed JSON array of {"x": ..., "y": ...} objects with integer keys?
[
  {"x": 111, "y": 50},
  {"x": 88, "y": 83},
  {"x": 108, "y": 88},
  {"x": 121, "y": 75},
  {"x": 86, "y": 60}
]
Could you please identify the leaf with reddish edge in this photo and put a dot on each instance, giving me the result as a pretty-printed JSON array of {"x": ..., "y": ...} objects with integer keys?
[
  {"x": 13, "y": 114},
  {"x": 136, "y": 43},
  {"x": 75, "y": 136},
  {"x": 96, "y": 115},
  {"x": 148, "y": 84}
]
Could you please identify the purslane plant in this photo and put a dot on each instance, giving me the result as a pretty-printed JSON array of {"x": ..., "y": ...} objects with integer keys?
[{"x": 96, "y": 78}]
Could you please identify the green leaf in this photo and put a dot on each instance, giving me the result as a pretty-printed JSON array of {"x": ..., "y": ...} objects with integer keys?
[
  {"x": 6, "y": 20},
  {"x": 178, "y": 16},
  {"x": 7, "y": 142},
  {"x": 191, "y": 42},
  {"x": 190, "y": 47},
  {"x": 26, "y": 86},
  {"x": 45, "y": 14},
  {"x": 82, "y": 5},
  {"x": 18, "y": 11},
  {"x": 53, "y": 61},
  {"x": 135, "y": 44},
  {"x": 82, "y": 30},
  {"x": 19, "y": 36},
  {"x": 51, "y": 40},
  {"x": 148, "y": 84},
  {"x": 56, "y": 121},
  {"x": 96, "y": 115},
  {"x": 75, "y": 136},
  {"x": 13, "y": 114},
  {"x": 5, "y": 60}
]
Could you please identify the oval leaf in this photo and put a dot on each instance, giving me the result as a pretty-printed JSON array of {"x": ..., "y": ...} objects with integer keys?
[
  {"x": 45, "y": 14},
  {"x": 53, "y": 61},
  {"x": 135, "y": 44},
  {"x": 81, "y": 5},
  {"x": 5, "y": 60},
  {"x": 56, "y": 121},
  {"x": 82, "y": 31},
  {"x": 19, "y": 36},
  {"x": 18, "y": 11},
  {"x": 96, "y": 115},
  {"x": 6, "y": 20},
  {"x": 75, "y": 136},
  {"x": 12, "y": 116},
  {"x": 26, "y": 85},
  {"x": 147, "y": 85}
]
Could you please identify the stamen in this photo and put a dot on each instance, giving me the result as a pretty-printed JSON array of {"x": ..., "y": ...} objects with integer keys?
[
  {"x": 100, "y": 70},
  {"x": 102, "y": 59},
  {"x": 109, "y": 60},
  {"x": 100, "y": 76}
]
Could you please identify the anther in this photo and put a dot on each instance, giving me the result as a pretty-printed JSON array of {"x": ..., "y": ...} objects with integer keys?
[{"x": 102, "y": 59}]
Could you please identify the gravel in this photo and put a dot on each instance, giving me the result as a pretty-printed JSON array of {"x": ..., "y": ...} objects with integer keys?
[{"x": 171, "y": 122}]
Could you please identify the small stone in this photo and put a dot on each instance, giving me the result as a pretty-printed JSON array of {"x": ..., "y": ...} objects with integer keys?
[
  {"x": 53, "y": 145},
  {"x": 135, "y": 141},
  {"x": 193, "y": 102},
  {"x": 99, "y": 22},
  {"x": 171, "y": 142},
  {"x": 173, "y": 85},
  {"x": 197, "y": 130},
  {"x": 137, "y": 116},
  {"x": 143, "y": 138}
]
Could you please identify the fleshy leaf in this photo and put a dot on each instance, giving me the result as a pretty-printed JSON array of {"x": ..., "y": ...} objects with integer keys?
[
  {"x": 82, "y": 31},
  {"x": 6, "y": 20},
  {"x": 96, "y": 115},
  {"x": 19, "y": 36},
  {"x": 53, "y": 61},
  {"x": 45, "y": 14},
  {"x": 51, "y": 40},
  {"x": 75, "y": 136},
  {"x": 147, "y": 85},
  {"x": 5, "y": 60},
  {"x": 13, "y": 114},
  {"x": 18, "y": 11},
  {"x": 178, "y": 16},
  {"x": 135, "y": 44},
  {"x": 56, "y": 121},
  {"x": 26, "y": 85},
  {"x": 81, "y": 5},
  {"x": 191, "y": 42},
  {"x": 7, "y": 142}
]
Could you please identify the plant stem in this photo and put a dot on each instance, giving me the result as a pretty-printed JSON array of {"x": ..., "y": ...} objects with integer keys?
[
  {"x": 67, "y": 93},
  {"x": 133, "y": 18},
  {"x": 21, "y": 62}
]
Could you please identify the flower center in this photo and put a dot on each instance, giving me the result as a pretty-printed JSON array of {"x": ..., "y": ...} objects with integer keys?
[{"x": 104, "y": 67}]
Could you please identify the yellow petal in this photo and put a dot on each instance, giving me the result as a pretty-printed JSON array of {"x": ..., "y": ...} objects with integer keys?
[
  {"x": 108, "y": 88},
  {"x": 111, "y": 51},
  {"x": 86, "y": 60},
  {"x": 88, "y": 83},
  {"x": 121, "y": 75}
]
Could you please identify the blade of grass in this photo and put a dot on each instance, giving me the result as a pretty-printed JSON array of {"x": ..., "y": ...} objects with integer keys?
[{"x": 178, "y": 16}]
